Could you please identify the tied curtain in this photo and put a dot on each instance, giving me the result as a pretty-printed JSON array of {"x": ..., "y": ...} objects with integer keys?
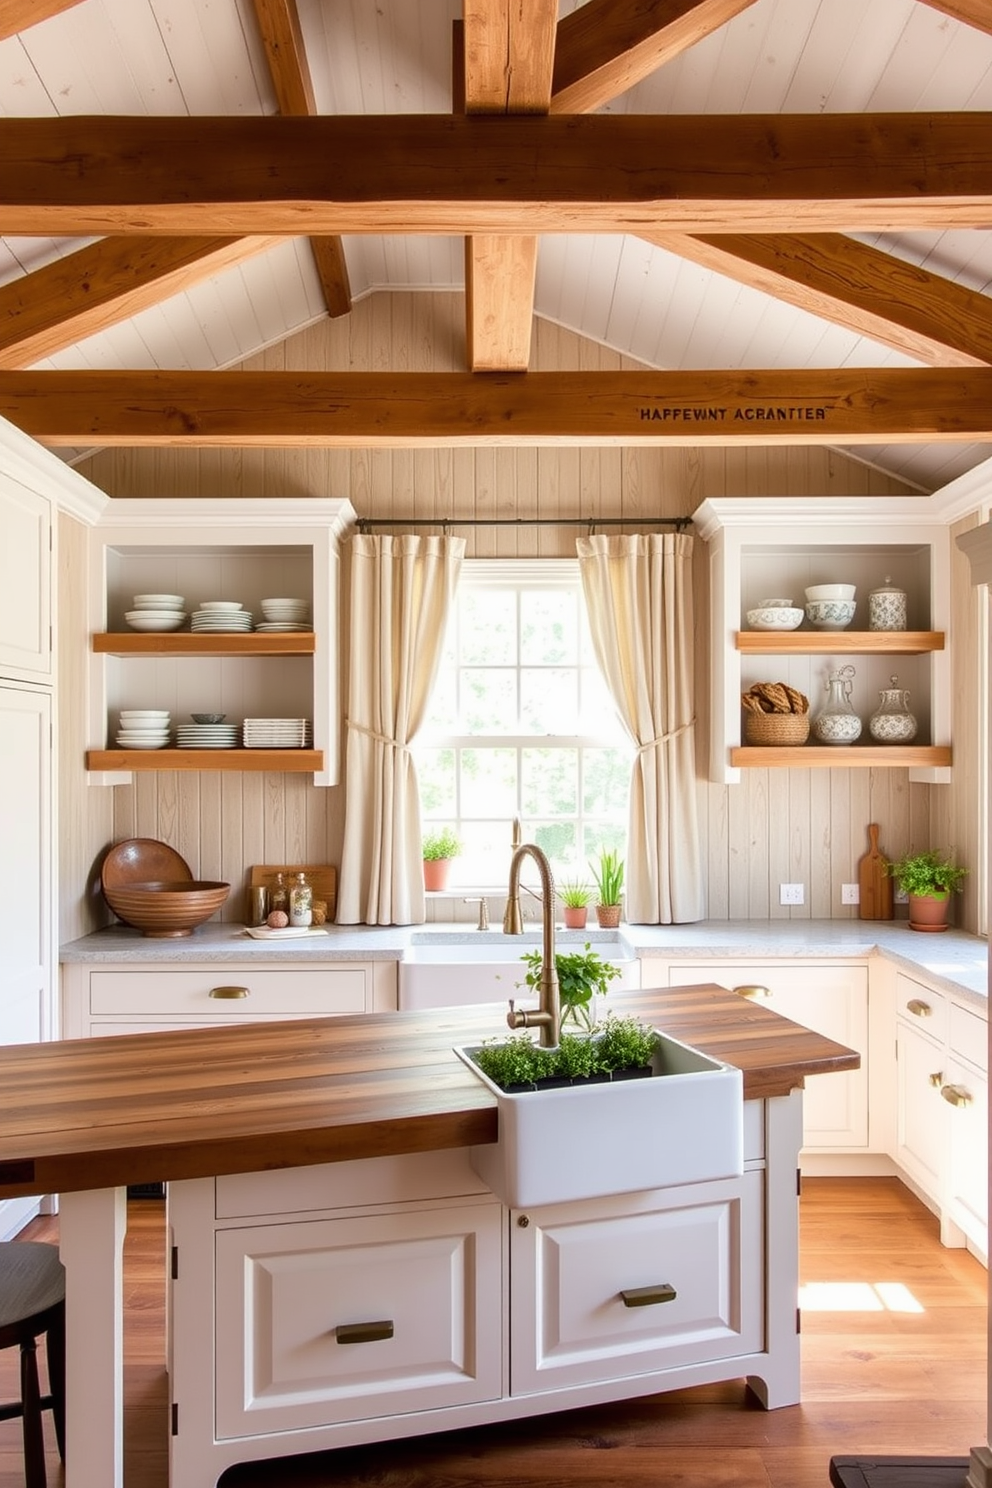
[
  {"x": 638, "y": 593},
  {"x": 401, "y": 592}
]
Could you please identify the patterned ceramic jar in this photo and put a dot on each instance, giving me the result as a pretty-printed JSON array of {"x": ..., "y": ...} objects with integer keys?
[
  {"x": 838, "y": 723},
  {"x": 887, "y": 608},
  {"x": 893, "y": 723}
]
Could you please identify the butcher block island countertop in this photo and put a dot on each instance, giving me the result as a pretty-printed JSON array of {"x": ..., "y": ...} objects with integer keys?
[{"x": 100, "y": 1113}]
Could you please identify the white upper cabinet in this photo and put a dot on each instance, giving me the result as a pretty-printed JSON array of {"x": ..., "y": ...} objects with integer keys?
[{"x": 25, "y": 583}]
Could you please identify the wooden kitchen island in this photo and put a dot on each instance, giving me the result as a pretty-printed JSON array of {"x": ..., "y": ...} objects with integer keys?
[{"x": 292, "y": 1148}]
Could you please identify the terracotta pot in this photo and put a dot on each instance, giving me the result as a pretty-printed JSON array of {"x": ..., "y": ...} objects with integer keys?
[
  {"x": 436, "y": 873},
  {"x": 608, "y": 916},
  {"x": 575, "y": 916},
  {"x": 928, "y": 912}
]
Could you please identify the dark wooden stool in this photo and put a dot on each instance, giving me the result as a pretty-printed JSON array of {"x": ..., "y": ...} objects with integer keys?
[
  {"x": 32, "y": 1302},
  {"x": 899, "y": 1472}
]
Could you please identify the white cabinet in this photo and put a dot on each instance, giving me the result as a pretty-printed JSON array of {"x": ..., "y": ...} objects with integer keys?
[
  {"x": 965, "y": 1091},
  {"x": 636, "y": 1284},
  {"x": 831, "y": 999},
  {"x": 753, "y": 555},
  {"x": 136, "y": 998},
  {"x": 206, "y": 550},
  {"x": 327, "y": 1320},
  {"x": 25, "y": 583},
  {"x": 921, "y": 1020}
]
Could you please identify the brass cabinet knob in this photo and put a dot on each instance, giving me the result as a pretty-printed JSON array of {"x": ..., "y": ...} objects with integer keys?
[
  {"x": 753, "y": 990},
  {"x": 956, "y": 1095},
  {"x": 648, "y": 1296},
  {"x": 937, "y": 1079},
  {"x": 225, "y": 992},
  {"x": 363, "y": 1332},
  {"x": 918, "y": 1007}
]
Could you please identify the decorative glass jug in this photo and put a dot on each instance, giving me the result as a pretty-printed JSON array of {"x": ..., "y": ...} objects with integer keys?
[
  {"x": 838, "y": 723},
  {"x": 893, "y": 723}
]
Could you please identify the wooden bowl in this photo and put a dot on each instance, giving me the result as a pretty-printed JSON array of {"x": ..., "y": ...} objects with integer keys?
[
  {"x": 142, "y": 860},
  {"x": 166, "y": 910}
]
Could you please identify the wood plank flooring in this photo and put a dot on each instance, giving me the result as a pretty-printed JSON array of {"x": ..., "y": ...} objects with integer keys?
[{"x": 894, "y": 1362}]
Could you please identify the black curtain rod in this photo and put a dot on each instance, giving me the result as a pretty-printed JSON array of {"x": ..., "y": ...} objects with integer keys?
[{"x": 369, "y": 524}]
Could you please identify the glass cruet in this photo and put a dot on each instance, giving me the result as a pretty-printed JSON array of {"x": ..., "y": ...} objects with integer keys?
[
  {"x": 892, "y": 722},
  {"x": 838, "y": 723}
]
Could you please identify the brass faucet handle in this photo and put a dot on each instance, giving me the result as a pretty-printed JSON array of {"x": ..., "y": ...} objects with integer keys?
[{"x": 483, "y": 904}]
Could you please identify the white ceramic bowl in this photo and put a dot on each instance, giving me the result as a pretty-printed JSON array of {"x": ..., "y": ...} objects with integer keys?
[
  {"x": 775, "y": 617},
  {"x": 145, "y": 713},
  {"x": 220, "y": 604},
  {"x": 830, "y": 614},
  {"x": 774, "y": 604},
  {"x": 155, "y": 619},
  {"x": 831, "y": 591},
  {"x": 159, "y": 602}
]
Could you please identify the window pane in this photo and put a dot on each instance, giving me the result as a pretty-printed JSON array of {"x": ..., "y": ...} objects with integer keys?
[
  {"x": 549, "y": 700},
  {"x": 436, "y": 774},
  {"x": 548, "y": 626},
  {"x": 488, "y": 627},
  {"x": 486, "y": 853},
  {"x": 606, "y": 782},
  {"x": 489, "y": 701},
  {"x": 550, "y": 785},
  {"x": 442, "y": 710},
  {"x": 488, "y": 782},
  {"x": 558, "y": 841},
  {"x": 598, "y": 713}
]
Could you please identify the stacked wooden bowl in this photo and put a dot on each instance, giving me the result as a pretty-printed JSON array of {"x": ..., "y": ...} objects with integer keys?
[{"x": 149, "y": 886}]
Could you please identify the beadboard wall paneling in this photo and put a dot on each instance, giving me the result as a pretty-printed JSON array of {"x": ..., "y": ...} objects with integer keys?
[{"x": 776, "y": 826}]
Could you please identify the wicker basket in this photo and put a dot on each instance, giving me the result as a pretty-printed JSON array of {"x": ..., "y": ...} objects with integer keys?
[{"x": 776, "y": 728}]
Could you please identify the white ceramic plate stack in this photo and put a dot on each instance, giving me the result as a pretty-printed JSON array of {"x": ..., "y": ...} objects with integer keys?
[
  {"x": 277, "y": 733},
  {"x": 144, "y": 728},
  {"x": 207, "y": 735},
  {"x": 157, "y": 612},
  {"x": 226, "y": 616},
  {"x": 284, "y": 615}
]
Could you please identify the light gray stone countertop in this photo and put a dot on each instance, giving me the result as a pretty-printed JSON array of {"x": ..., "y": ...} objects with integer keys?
[{"x": 954, "y": 959}]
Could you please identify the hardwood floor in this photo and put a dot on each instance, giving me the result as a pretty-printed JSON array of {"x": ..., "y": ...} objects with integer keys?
[{"x": 894, "y": 1362}]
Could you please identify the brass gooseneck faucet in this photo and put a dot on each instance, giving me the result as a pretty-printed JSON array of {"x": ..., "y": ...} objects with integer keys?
[{"x": 547, "y": 1015}]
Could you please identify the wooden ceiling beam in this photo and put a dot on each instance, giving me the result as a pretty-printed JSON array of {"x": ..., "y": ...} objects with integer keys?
[
  {"x": 871, "y": 293},
  {"x": 104, "y": 283},
  {"x": 508, "y": 62},
  {"x": 977, "y": 13},
  {"x": 19, "y": 15},
  {"x": 282, "y": 37},
  {"x": 442, "y": 174},
  {"x": 606, "y": 46},
  {"x": 394, "y": 409}
]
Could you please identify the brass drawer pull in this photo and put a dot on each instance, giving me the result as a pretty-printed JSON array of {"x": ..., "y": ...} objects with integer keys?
[
  {"x": 937, "y": 1079},
  {"x": 363, "y": 1332},
  {"x": 648, "y": 1296},
  {"x": 918, "y": 1007},
  {"x": 752, "y": 990},
  {"x": 225, "y": 992},
  {"x": 956, "y": 1095}
]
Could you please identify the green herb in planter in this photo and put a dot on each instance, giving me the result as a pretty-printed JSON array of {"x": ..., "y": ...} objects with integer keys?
[
  {"x": 925, "y": 874},
  {"x": 624, "y": 1043},
  {"x": 440, "y": 844},
  {"x": 578, "y": 1057},
  {"x": 609, "y": 877},
  {"x": 511, "y": 1061},
  {"x": 574, "y": 894},
  {"x": 582, "y": 975}
]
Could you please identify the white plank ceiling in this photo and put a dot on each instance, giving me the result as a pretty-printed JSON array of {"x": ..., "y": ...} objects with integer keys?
[{"x": 204, "y": 57}]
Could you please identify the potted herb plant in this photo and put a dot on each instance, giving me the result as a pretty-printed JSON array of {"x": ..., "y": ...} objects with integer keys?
[
  {"x": 574, "y": 896},
  {"x": 929, "y": 879},
  {"x": 608, "y": 877},
  {"x": 439, "y": 847},
  {"x": 582, "y": 977},
  {"x": 622, "y": 1050}
]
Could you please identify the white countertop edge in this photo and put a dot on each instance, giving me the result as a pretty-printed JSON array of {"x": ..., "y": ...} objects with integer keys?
[{"x": 954, "y": 960}]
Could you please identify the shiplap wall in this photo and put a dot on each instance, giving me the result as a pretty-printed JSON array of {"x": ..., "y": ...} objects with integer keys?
[{"x": 776, "y": 826}]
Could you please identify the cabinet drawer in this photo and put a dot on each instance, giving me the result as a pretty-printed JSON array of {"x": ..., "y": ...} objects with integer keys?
[
  {"x": 699, "y": 1246},
  {"x": 271, "y": 991},
  {"x": 288, "y": 1294},
  {"x": 968, "y": 1035},
  {"x": 921, "y": 1007},
  {"x": 348, "y": 1185}
]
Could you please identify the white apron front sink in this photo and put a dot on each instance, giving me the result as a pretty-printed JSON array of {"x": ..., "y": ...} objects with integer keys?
[
  {"x": 683, "y": 1125},
  {"x": 451, "y": 968}
]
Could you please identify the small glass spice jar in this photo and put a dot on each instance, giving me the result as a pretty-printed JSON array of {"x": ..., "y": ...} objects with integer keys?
[
  {"x": 887, "y": 607},
  {"x": 301, "y": 902}
]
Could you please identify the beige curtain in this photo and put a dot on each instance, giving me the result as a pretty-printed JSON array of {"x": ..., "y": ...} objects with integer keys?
[
  {"x": 401, "y": 592},
  {"x": 638, "y": 592}
]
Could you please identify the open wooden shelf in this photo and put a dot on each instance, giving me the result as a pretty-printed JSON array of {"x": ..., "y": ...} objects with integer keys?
[
  {"x": 839, "y": 642},
  {"x": 298, "y": 761},
  {"x": 210, "y": 643},
  {"x": 839, "y": 756}
]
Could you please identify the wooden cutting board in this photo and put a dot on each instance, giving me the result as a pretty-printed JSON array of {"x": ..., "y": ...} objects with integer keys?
[
  {"x": 323, "y": 877},
  {"x": 874, "y": 884}
]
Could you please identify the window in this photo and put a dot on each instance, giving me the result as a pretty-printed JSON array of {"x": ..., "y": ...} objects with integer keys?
[{"x": 521, "y": 724}]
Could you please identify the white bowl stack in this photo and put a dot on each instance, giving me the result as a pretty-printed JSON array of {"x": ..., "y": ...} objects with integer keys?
[
  {"x": 226, "y": 616},
  {"x": 284, "y": 614},
  {"x": 144, "y": 728},
  {"x": 156, "y": 612}
]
